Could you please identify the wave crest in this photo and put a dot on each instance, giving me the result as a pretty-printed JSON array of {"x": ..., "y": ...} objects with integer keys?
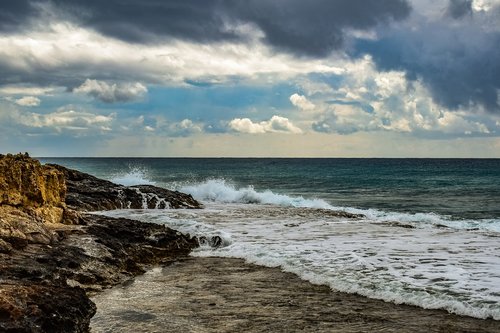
[
  {"x": 218, "y": 190},
  {"x": 135, "y": 176}
]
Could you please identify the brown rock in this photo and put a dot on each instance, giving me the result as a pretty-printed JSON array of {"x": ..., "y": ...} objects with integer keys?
[
  {"x": 31, "y": 194},
  {"x": 18, "y": 227},
  {"x": 42, "y": 288},
  {"x": 26, "y": 182}
]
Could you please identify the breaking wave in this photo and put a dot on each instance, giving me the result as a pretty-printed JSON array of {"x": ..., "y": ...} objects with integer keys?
[{"x": 219, "y": 190}]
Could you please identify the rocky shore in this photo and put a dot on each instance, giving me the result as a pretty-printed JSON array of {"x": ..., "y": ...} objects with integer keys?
[{"x": 53, "y": 253}]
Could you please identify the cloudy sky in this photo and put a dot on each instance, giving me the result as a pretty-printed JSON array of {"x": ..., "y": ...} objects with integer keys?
[{"x": 326, "y": 78}]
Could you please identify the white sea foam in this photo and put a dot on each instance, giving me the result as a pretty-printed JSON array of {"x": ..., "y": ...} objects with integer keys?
[
  {"x": 135, "y": 176},
  {"x": 433, "y": 268},
  {"x": 219, "y": 190}
]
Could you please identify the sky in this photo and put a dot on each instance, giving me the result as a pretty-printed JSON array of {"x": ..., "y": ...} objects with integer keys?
[{"x": 250, "y": 78}]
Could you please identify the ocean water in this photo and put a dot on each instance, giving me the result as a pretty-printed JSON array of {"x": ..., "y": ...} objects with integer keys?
[{"x": 429, "y": 235}]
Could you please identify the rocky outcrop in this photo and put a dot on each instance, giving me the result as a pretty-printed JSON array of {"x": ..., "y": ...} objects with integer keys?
[
  {"x": 88, "y": 193},
  {"x": 24, "y": 182},
  {"x": 31, "y": 197},
  {"x": 52, "y": 254}
]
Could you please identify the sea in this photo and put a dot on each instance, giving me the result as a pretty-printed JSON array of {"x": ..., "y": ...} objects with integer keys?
[{"x": 428, "y": 233}]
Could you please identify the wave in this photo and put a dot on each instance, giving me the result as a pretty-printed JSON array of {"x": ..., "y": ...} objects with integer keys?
[
  {"x": 392, "y": 292},
  {"x": 136, "y": 176},
  {"x": 219, "y": 190}
]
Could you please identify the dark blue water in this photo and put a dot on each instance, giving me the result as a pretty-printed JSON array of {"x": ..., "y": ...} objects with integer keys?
[{"x": 457, "y": 188}]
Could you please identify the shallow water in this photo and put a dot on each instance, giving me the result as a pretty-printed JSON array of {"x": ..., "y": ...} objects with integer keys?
[{"x": 431, "y": 267}]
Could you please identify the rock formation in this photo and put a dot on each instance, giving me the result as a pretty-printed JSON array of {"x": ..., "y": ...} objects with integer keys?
[
  {"x": 88, "y": 193},
  {"x": 31, "y": 198},
  {"x": 52, "y": 253}
]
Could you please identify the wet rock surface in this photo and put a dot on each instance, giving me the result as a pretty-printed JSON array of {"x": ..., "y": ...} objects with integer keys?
[
  {"x": 46, "y": 285},
  {"x": 228, "y": 295},
  {"x": 34, "y": 307},
  {"x": 88, "y": 193}
]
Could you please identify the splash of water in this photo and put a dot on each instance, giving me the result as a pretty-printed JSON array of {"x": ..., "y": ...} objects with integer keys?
[{"x": 135, "y": 176}]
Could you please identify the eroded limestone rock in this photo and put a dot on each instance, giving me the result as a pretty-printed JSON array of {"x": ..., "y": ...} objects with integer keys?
[{"x": 31, "y": 195}]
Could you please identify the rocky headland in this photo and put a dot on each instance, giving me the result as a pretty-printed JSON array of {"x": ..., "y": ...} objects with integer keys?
[{"x": 53, "y": 254}]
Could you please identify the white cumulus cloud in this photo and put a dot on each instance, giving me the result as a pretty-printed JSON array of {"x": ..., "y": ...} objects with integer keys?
[
  {"x": 390, "y": 104},
  {"x": 302, "y": 102},
  {"x": 276, "y": 124},
  {"x": 185, "y": 127},
  {"x": 112, "y": 92},
  {"x": 484, "y": 5}
]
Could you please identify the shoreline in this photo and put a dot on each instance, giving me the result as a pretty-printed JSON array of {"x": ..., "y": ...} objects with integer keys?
[{"x": 214, "y": 294}]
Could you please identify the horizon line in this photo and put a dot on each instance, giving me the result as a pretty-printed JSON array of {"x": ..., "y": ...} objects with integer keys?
[{"x": 262, "y": 157}]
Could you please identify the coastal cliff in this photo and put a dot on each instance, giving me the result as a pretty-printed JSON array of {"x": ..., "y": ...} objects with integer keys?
[
  {"x": 31, "y": 198},
  {"x": 52, "y": 253}
]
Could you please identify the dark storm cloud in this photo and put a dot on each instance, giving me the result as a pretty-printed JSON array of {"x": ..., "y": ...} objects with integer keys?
[
  {"x": 459, "y": 65},
  {"x": 313, "y": 28},
  {"x": 459, "y": 8},
  {"x": 14, "y": 14},
  {"x": 146, "y": 21}
]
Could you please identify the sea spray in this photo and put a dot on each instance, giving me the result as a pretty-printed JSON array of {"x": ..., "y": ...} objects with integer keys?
[{"x": 135, "y": 176}]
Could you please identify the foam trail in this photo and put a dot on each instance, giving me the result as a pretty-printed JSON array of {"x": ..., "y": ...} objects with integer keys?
[
  {"x": 136, "y": 176},
  {"x": 209, "y": 237}
]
